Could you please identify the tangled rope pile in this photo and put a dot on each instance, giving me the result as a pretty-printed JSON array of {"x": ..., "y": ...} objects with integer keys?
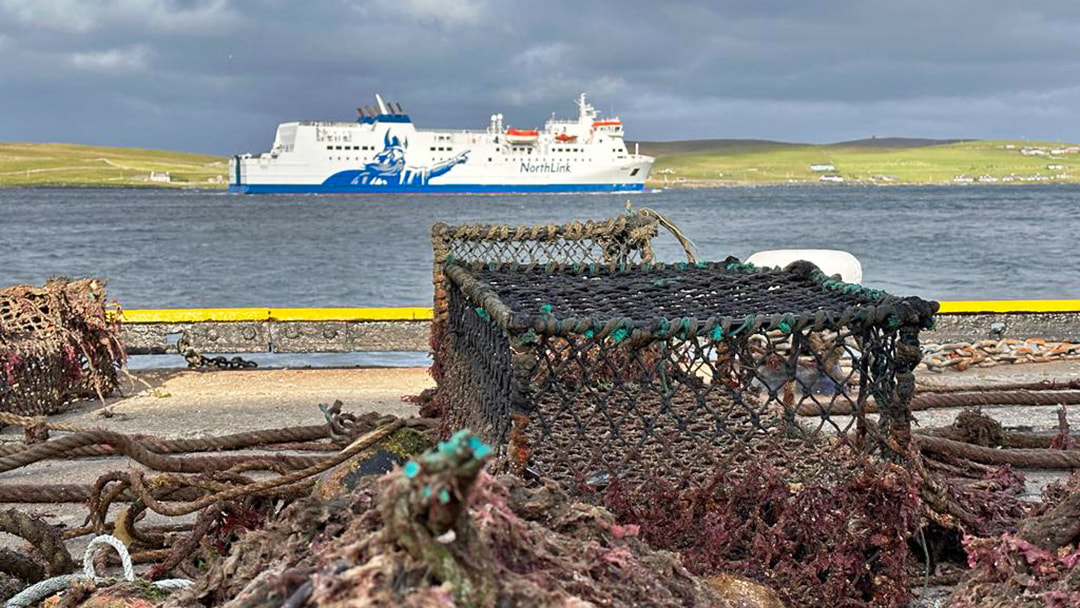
[
  {"x": 227, "y": 493},
  {"x": 990, "y": 353}
]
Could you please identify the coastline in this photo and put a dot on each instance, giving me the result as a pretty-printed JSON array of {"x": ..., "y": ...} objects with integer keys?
[{"x": 715, "y": 184}]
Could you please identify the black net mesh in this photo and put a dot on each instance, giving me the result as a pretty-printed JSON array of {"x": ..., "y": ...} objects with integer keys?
[
  {"x": 588, "y": 374},
  {"x": 619, "y": 240}
]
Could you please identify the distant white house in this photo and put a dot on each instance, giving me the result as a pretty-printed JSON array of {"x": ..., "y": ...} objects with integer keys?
[
  {"x": 836, "y": 179},
  {"x": 963, "y": 179},
  {"x": 1055, "y": 167},
  {"x": 160, "y": 176},
  {"x": 1033, "y": 152},
  {"x": 987, "y": 178},
  {"x": 1072, "y": 150},
  {"x": 822, "y": 168}
]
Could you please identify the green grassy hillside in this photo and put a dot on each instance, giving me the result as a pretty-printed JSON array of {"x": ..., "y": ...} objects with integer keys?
[
  {"x": 26, "y": 164},
  {"x": 896, "y": 161}
]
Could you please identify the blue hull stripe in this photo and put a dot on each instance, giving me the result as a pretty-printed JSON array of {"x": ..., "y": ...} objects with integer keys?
[{"x": 431, "y": 188}]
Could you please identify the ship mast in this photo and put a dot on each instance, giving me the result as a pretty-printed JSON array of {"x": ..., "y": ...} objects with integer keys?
[{"x": 586, "y": 113}]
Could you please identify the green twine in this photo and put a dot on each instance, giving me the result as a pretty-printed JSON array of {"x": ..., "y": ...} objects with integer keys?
[
  {"x": 784, "y": 326},
  {"x": 619, "y": 335},
  {"x": 684, "y": 327},
  {"x": 480, "y": 312},
  {"x": 546, "y": 309},
  {"x": 717, "y": 333},
  {"x": 528, "y": 337},
  {"x": 893, "y": 321},
  {"x": 747, "y": 323},
  {"x": 589, "y": 333},
  {"x": 412, "y": 469}
]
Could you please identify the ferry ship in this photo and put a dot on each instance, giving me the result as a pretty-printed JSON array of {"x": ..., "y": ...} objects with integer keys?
[{"x": 383, "y": 152}]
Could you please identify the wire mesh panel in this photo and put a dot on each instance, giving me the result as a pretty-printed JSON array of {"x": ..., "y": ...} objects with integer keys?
[
  {"x": 591, "y": 374},
  {"x": 56, "y": 345}
]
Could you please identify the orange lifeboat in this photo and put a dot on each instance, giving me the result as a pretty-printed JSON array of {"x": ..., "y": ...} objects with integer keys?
[
  {"x": 522, "y": 136},
  {"x": 564, "y": 137}
]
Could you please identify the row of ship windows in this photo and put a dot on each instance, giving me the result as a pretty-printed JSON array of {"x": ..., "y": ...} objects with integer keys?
[
  {"x": 490, "y": 159},
  {"x": 449, "y": 149}
]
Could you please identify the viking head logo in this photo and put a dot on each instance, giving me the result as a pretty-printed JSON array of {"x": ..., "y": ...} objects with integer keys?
[{"x": 391, "y": 161}]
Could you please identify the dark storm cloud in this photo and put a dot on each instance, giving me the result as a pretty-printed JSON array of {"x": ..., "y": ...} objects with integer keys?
[{"x": 217, "y": 75}]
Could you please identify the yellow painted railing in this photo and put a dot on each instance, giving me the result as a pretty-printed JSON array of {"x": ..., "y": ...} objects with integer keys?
[
  {"x": 1009, "y": 306},
  {"x": 195, "y": 315}
]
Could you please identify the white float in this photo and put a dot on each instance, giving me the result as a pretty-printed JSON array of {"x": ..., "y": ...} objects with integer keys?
[{"x": 830, "y": 261}]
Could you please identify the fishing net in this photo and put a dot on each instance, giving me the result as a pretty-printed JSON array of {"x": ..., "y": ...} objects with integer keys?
[
  {"x": 589, "y": 374},
  {"x": 56, "y": 345},
  {"x": 618, "y": 240},
  {"x": 442, "y": 532}
]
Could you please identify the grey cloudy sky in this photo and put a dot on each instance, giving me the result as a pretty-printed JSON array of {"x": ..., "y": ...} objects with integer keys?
[{"x": 218, "y": 75}]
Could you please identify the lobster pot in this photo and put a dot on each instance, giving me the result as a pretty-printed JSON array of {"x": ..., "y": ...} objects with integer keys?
[
  {"x": 592, "y": 374},
  {"x": 621, "y": 240},
  {"x": 56, "y": 346}
]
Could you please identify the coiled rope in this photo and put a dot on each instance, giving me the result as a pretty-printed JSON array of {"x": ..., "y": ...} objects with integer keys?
[{"x": 37, "y": 592}]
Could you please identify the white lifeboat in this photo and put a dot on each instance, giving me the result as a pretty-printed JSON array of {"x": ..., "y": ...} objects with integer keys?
[{"x": 522, "y": 136}]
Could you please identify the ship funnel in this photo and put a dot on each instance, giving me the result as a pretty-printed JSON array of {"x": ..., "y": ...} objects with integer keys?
[
  {"x": 360, "y": 111},
  {"x": 371, "y": 112},
  {"x": 382, "y": 104}
]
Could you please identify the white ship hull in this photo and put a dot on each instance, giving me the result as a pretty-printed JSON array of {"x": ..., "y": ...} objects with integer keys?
[{"x": 384, "y": 152}]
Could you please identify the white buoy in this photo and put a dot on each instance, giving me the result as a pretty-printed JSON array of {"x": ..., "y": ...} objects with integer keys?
[{"x": 830, "y": 261}]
